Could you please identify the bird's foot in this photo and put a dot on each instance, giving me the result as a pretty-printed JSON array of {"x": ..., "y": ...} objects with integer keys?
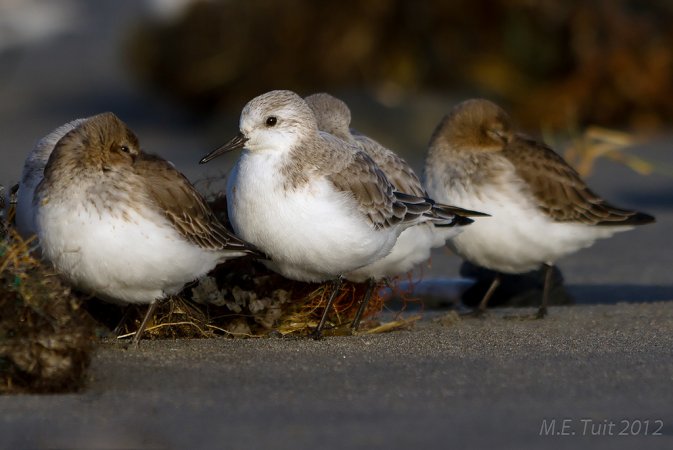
[
  {"x": 476, "y": 313},
  {"x": 540, "y": 314}
]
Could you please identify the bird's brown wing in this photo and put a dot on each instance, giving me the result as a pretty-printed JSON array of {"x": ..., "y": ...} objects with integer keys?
[
  {"x": 184, "y": 207},
  {"x": 558, "y": 189}
]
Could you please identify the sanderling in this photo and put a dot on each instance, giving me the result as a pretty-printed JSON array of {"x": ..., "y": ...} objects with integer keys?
[
  {"x": 541, "y": 209},
  {"x": 121, "y": 224},
  {"x": 317, "y": 205},
  {"x": 414, "y": 244}
]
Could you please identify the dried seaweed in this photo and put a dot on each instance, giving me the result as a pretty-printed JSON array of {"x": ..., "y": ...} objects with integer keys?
[
  {"x": 242, "y": 298},
  {"x": 46, "y": 339}
]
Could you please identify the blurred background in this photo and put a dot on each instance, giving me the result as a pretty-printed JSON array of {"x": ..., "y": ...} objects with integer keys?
[
  {"x": 179, "y": 72},
  {"x": 553, "y": 63},
  {"x": 184, "y": 68}
]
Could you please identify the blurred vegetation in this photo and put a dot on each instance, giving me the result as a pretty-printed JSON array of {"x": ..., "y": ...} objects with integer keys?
[
  {"x": 575, "y": 62},
  {"x": 596, "y": 142}
]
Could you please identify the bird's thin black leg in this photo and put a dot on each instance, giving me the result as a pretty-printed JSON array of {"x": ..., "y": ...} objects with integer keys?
[
  {"x": 483, "y": 304},
  {"x": 371, "y": 285},
  {"x": 336, "y": 286},
  {"x": 542, "y": 311},
  {"x": 120, "y": 325},
  {"x": 143, "y": 325}
]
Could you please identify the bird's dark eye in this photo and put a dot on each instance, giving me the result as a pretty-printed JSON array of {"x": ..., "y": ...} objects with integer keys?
[
  {"x": 125, "y": 149},
  {"x": 271, "y": 121}
]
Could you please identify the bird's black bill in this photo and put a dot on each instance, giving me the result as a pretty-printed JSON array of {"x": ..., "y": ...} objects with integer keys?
[{"x": 234, "y": 144}]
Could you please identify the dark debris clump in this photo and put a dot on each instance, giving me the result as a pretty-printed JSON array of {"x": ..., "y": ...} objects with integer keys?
[
  {"x": 46, "y": 339},
  {"x": 242, "y": 298}
]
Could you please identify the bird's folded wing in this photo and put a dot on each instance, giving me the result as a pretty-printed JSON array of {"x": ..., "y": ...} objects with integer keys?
[
  {"x": 558, "y": 189},
  {"x": 185, "y": 208},
  {"x": 399, "y": 173},
  {"x": 373, "y": 193}
]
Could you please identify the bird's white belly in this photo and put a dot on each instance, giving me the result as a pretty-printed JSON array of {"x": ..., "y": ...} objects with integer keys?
[
  {"x": 312, "y": 233},
  {"x": 413, "y": 247},
  {"x": 135, "y": 260},
  {"x": 517, "y": 237}
]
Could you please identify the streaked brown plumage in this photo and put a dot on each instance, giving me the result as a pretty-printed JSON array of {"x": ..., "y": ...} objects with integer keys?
[
  {"x": 542, "y": 210},
  {"x": 175, "y": 197},
  {"x": 557, "y": 187},
  {"x": 559, "y": 190},
  {"x": 121, "y": 224},
  {"x": 143, "y": 181}
]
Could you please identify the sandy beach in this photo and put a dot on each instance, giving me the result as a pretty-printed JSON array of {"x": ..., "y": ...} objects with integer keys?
[{"x": 468, "y": 383}]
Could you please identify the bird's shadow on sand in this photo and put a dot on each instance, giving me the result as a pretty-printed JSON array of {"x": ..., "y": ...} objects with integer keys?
[
  {"x": 610, "y": 294},
  {"x": 447, "y": 293}
]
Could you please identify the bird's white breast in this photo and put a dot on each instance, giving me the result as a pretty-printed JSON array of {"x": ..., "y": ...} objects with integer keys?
[
  {"x": 134, "y": 257},
  {"x": 518, "y": 236},
  {"x": 311, "y": 232},
  {"x": 413, "y": 247}
]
